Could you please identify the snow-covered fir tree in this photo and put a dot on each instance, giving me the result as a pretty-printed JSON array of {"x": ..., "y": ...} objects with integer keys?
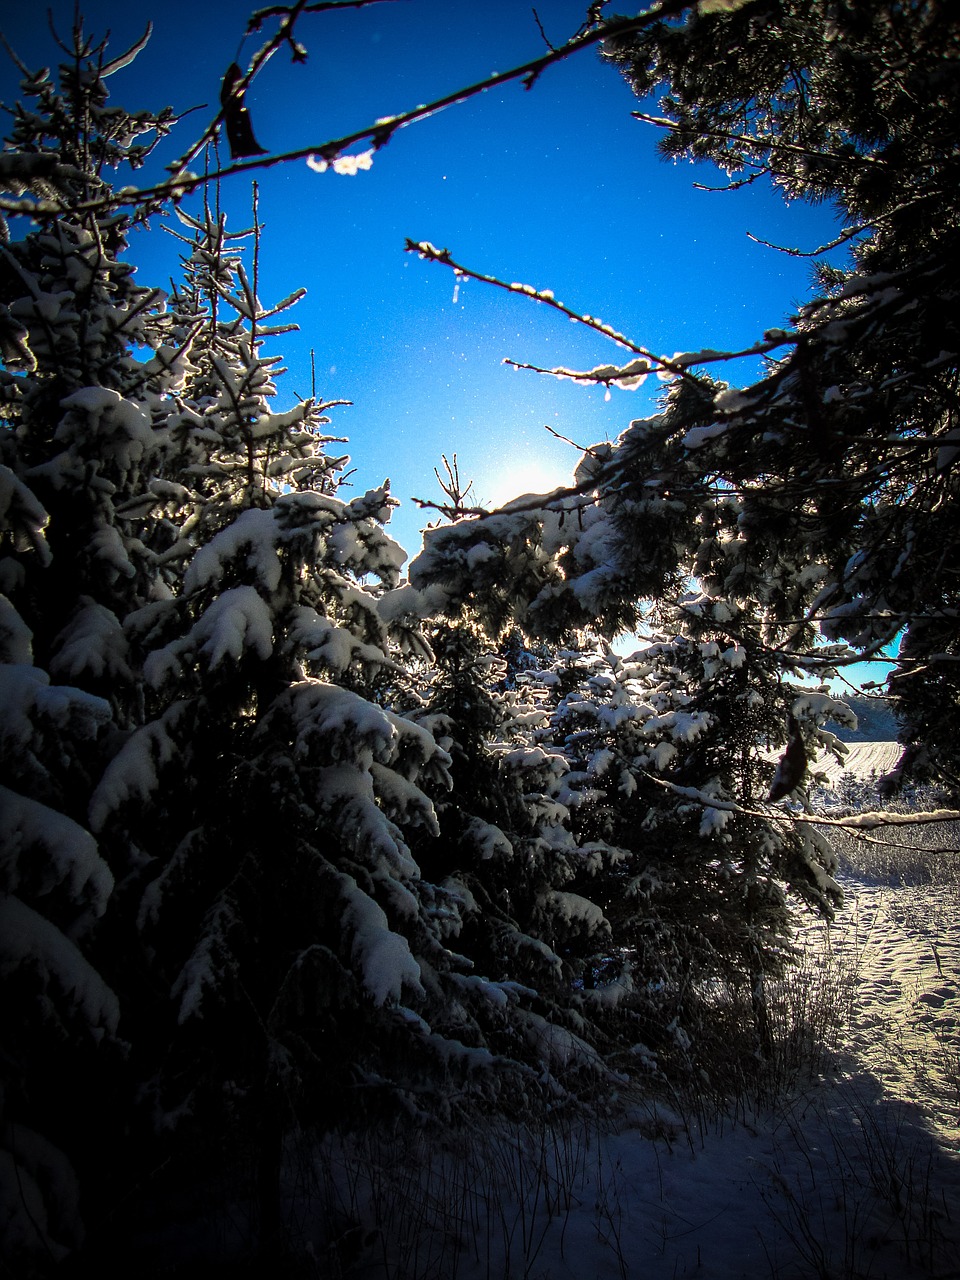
[
  {"x": 845, "y": 452},
  {"x": 667, "y": 766},
  {"x": 665, "y": 756},
  {"x": 506, "y": 848},
  {"x": 220, "y": 767},
  {"x": 79, "y": 416}
]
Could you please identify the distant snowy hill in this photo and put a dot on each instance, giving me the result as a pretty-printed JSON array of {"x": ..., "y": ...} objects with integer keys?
[
  {"x": 873, "y": 749},
  {"x": 876, "y": 721},
  {"x": 863, "y": 760}
]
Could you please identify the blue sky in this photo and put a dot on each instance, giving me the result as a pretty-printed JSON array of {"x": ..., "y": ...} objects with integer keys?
[{"x": 559, "y": 187}]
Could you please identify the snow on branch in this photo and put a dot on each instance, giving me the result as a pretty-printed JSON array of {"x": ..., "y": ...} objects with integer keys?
[
  {"x": 870, "y": 821},
  {"x": 431, "y": 253},
  {"x": 134, "y": 773},
  {"x": 629, "y": 376},
  {"x": 28, "y": 938},
  {"x": 384, "y": 957},
  {"x": 49, "y": 849},
  {"x": 856, "y": 822},
  {"x": 22, "y": 511},
  {"x": 183, "y": 181}
]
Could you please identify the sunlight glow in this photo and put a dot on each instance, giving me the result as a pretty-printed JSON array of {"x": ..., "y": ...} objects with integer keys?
[{"x": 517, "y": 472}]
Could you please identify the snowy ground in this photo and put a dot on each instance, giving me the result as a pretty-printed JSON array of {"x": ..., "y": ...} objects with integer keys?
[
  {"x": 851, "y": 1172},
  {"x": 857, "y": 1174}
]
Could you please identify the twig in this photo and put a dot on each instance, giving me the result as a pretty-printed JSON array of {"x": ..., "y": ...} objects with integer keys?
[
  {"x": 431, "y": 253},
  {"x": 843, "y": 238},
  {"x": 856, "y": 822},
  {"x": 546, "y": 40},
  {"x": 605, "y": 375},
  {"x": 592, "y": 450},
  {"x": 892, "y": 844},
  {"x": 260, "y": 59},
  {"x": 536, "y": 502},
  {"x": 317, "y": 6},
  {"x": 379, "y": 133},
  {"x": 735, "y": 185}
]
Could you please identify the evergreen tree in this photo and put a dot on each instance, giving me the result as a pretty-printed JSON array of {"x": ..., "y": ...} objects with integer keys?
[
  {"x": 222, "y": 775},
  {"x": 505, "y": 843},
  {"x": 817, "y": 505},
  {"x": 293, "y": 953},
  {"x": 845, "y": 453},
  {"x": 78, "y": 430},
  {"x": 287, "y": 843},
  {"x": 505, "y": 831},
  {"x": 667, "y": 762}
]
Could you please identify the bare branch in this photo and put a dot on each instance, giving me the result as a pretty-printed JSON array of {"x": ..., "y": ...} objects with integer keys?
[
  {"x": 896, "y": 844},
  {"x": 432, "y": 254},
  {"x": 454, "y": 488},
  {"x": 583, "y": 448},
  {"x": 546, "y": 39},
  {"x": 843, "y": 238},
  {"x": 736, "y": 185},
  {"x": 259, "y": 16},
  {"x": 605, "y": 375},
  {"x": 183, "y": 182},
  {"x": 857, "y": 822},
  {"x": 239, "y": 85}
]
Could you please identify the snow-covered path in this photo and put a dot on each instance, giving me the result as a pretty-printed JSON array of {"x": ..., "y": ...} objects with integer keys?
[
  {"x": 857, "y": 1176},
  {"x": 902, "y": 947},
  {"x": 854, "y": 1175}
]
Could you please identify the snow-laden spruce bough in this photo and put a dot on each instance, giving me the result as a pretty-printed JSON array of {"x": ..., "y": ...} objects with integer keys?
[{"x": 290, "y": 843}]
